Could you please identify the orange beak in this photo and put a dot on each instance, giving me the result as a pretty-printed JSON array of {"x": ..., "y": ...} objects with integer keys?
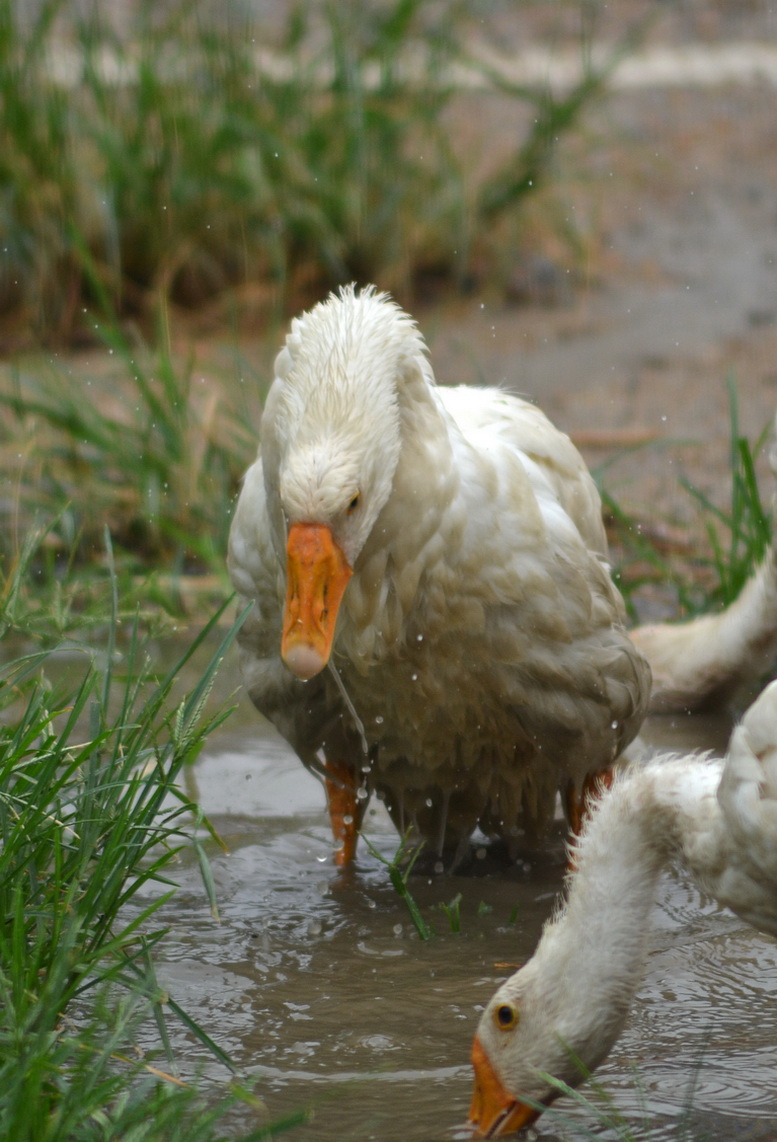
[
  {"x": 317, "y": 574},
  {"x": 494, "y": 1111}
]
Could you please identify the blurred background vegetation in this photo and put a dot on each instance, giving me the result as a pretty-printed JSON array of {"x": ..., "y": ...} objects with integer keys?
[
  {"x": 175, "y": 172},
  {"x": 180, "y": 157},
  {"x": 169, "y": 169}
]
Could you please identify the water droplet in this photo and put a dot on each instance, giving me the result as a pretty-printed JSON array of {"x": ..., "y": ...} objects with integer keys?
[
  {"x": 379, "y": 720},
  {"x": 428, "y": 802},
  {"x": 347, "y": 819},
  {"x": 397, "y": 929},
  {"x": 439, "y": 867},
  {"x": 362, "y": 794},
  {"x": 614, "y": 725},
  {"x": 315, "y": 927}
]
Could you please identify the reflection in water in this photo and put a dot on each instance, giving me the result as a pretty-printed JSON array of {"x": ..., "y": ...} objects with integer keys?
[{"x": 316, "y": 984}]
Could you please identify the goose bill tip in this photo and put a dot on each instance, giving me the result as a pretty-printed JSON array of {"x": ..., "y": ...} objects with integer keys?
[
  {"x": 304, "y": 660},
  {"x": 495, "y": 1112}
]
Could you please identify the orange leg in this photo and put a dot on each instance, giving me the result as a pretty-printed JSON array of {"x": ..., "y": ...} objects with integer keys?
[
  {"x": 573, "y": 807},
  {"x": 345, "y": 810},
  {"x": 578, "y": 805}
]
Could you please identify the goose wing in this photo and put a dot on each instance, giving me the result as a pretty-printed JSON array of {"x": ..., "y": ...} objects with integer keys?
[{"x": 748, "y": 799}]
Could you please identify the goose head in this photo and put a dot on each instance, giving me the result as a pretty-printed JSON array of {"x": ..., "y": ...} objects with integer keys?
[
  {"x": 509, "y": 1091},
  {"x": 539, "y": 1025},
  {"x": 331, "y": 440}
]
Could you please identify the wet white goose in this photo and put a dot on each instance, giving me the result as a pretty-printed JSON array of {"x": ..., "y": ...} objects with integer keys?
[
  {"x": 434, "y": 618},
  {"x": 567, "y": 1006}
]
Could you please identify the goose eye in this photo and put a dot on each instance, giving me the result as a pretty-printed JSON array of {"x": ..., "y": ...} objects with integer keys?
[
  {"x": 353, "y": 505},
  {"x": 505, "y": 1016}
]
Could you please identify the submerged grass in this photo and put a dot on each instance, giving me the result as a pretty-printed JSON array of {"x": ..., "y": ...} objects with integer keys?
[
  {"x": 188, "y": 155},
  {"x": 91, "y": 820},
  {"x": 399, "y": 869}
]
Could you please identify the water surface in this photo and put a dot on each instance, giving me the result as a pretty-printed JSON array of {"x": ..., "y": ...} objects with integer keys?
[{"x": 317, "y": 985}]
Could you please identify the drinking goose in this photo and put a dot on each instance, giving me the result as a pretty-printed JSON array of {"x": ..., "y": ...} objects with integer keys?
[{"x": 561, "y": 1013}]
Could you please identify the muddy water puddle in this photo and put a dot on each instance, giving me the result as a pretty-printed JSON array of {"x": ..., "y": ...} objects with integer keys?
[{"x": 317, "y": 985}]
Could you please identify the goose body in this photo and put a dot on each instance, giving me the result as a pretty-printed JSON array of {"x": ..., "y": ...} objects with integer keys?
[
  {"x": 479, "y": 642},
  {"x": 434, "y": 618},
  {"x": 562, "y": 1012}
]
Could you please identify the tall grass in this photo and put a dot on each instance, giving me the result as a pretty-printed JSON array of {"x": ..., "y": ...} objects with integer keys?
[
  {"x": 740, "y": 535},
  {"x": 90, "y": 818},
  {"x": 188, "y": 156}
]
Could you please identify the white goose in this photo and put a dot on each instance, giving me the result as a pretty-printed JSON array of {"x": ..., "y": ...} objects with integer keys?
[
  {"x": 563, "y": 1011},
  {"x": 434, "y": 617}
]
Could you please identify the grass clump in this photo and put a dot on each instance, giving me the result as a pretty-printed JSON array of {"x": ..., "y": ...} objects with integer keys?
[
  {"x": 739, "y": 535},
  {"x": 151, "y": 448},
  {"x": 91, "y": 820}
]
